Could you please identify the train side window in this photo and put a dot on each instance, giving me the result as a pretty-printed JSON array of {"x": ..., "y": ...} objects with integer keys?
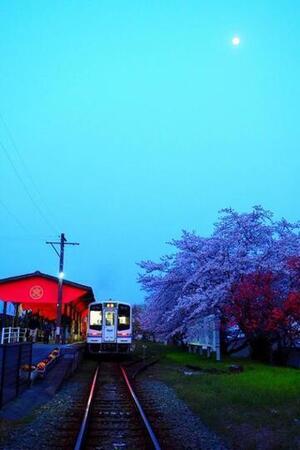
[
  {"x": 109, "y": 318},
  {"x": 96, "y": 317},
  {"x": 123, "y": 317}
]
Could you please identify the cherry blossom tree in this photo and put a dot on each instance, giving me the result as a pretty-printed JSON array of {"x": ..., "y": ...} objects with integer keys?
[{"x": 198, "y": 276}]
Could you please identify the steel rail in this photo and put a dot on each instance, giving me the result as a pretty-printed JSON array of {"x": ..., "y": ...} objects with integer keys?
[
  {"x": 84, "y": 423},
  {"x": 141, "y": 411}
]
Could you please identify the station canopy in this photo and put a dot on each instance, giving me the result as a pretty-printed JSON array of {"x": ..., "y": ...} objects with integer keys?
[{"x": 38, "y": 292}]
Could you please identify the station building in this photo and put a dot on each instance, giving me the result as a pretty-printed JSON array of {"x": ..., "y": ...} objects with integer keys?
[{"x": 35, "y": 296}]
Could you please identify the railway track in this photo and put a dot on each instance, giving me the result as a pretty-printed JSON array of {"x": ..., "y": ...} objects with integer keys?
[{"x": 114, "y": 417}]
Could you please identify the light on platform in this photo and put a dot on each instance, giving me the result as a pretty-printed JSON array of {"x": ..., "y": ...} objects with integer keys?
[{"x": 61, "y": 275}]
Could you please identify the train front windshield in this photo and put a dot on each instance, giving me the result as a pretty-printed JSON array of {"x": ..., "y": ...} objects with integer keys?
[
  {"x": 109, "y": 318},
  {"x": 123, "y": 317},
  {"x": 96, "y": 317}
]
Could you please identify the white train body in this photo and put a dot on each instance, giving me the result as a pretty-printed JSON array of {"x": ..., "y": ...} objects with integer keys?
[{"x": 109, "y": 327}]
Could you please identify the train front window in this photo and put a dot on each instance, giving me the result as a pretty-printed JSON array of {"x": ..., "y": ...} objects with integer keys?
[
  {"x": 123, "y": 317},
  {"x": 109, "y": 318},
  {"x": 96, "y": 317}
]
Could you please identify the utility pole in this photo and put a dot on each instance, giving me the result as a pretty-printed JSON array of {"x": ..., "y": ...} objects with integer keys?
[{"x": 63, "y": 241}]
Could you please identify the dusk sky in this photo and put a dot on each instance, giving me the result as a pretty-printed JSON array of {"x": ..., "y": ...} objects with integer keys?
[{"x": 124, "y": 122}]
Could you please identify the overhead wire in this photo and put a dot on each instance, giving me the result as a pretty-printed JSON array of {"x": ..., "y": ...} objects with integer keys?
[
  {"x": 13, "y": 216},
  {"x": 19, "y": 176},
  {"x": 28, "y": 235},
  {"x": 23, "y": 163}
]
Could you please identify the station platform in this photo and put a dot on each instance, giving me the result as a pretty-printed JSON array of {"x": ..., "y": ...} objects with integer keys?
[
  {"x": 41, "y": 351},
  {"x": 43, "y": 390}
]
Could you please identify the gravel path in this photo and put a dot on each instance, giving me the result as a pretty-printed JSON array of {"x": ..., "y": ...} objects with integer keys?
[{"x": 185, "y": 429}]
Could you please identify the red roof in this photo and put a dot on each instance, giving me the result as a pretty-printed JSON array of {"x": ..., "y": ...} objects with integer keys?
[{"x": 38, "y": 291}]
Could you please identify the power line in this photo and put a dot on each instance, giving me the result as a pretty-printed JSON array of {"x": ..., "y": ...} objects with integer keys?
[
  {"x": 11, "y": 214},
  {"x": 23, "y": 163},
  {"x": 18, "y": 175}
]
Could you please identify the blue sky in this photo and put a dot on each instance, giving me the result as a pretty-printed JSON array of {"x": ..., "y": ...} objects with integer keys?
[{"x": 138, "y": 119}]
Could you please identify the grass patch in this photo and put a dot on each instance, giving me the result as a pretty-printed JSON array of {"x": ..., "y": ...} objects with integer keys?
[{"x": 258, "y": 408}]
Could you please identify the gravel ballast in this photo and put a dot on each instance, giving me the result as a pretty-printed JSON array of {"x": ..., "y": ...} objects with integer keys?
[{"x": 185, "y": 429}]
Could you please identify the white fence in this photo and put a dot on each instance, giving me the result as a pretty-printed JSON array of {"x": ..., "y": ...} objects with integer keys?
[{"x": 11, "y": 335}]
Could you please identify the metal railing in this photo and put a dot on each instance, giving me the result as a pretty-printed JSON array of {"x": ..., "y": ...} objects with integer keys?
[{"x": 12, "y": 335}]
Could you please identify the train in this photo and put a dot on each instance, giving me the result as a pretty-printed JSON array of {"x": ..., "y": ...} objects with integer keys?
[{"x": 109, "y": 327}]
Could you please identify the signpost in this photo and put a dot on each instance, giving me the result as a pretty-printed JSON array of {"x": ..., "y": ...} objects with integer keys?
[{"x": 205, "y": 335}]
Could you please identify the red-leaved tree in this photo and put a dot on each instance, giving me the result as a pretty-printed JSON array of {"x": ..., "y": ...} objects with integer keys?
[{"x": 262, "y": 314}]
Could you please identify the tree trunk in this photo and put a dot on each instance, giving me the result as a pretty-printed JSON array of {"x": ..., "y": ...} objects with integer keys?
[{"x": 260, "y": 349}]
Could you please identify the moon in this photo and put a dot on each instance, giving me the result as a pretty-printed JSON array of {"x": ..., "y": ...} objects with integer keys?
[{"x": 236, "y": 41}]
